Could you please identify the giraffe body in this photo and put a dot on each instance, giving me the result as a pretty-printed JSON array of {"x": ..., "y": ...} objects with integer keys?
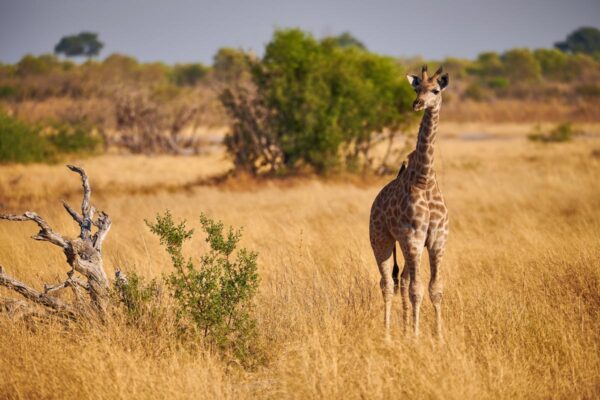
[{"x": 410, "y": 210}]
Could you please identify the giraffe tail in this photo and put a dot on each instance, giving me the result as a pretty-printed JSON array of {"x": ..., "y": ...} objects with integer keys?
[{"x": 395, "y": 271}]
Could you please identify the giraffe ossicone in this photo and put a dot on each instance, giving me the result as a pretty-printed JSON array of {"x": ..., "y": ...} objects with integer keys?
[{"x": 410, "y": 210}]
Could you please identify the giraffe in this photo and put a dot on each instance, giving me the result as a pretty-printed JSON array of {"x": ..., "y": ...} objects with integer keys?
[{"x": 410, "y": 210}]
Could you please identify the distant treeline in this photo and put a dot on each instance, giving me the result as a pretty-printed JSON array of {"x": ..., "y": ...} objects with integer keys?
[
  {"x": 516, "y": 72},
  {"x": 307, "y": 100}
]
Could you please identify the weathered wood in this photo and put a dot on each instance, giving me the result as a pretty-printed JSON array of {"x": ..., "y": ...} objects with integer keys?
[
  {"x": 103, "y": 223},
  {"x": 84, "y": 255},
  {"x": 46, "y": 233},
  {"x": 32, "y": 294},
  {"x": 78, "y": 218}
]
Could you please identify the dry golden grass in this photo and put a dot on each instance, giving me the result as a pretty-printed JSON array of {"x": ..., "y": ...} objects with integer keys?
[
  {"x": 523, "y": 111},
  {"x": 522, "y": 299}
]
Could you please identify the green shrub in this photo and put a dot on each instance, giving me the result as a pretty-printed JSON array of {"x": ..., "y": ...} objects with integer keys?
[
  {"x": 561, "y": 133},
  {"x": 520, "y": 65},
  {"x": 214, "y": 298},
  {"x": 552, "y": 63},
  {"x": 475, "y": 92},
  {"x": 8, "y": 92},
  {"x": 139, "y": 298},
  {"x": 488, "y": 64},
  {"x": 37, "y": 65},
  {"x": 73, "y": 138},
  {"x": 231, "y": 65},
  {"x": 346, "y": 39},
  {"x": 498, "y": 83},
  {"x": 316, "y": 100},
  {"x": 22, "y": 143},
  {"x": 188, "y": 74}
]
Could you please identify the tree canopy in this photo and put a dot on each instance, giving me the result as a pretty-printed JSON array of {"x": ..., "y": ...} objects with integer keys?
[
  {"x": 346, "y": 39},
  {"x": 83, "y": 44},
  {"x": 324, "y": 101},
  {"x": 583, "y": 40}
]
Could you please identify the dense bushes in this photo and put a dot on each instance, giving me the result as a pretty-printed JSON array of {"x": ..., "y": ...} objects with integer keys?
[
  {"x": 315, "y": 104},
  {"x": 307, "y": 104},
  {"x": 21, "y": 143},
  {"x": 25, "y": 143},
  {"x": 561, "y": 133}
]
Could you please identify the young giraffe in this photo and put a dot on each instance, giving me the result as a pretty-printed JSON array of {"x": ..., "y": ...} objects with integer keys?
[{"x": 410, "y": 210}]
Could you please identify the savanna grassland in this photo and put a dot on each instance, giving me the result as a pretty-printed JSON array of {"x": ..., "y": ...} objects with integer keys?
[{"x": 522, "y": 274}]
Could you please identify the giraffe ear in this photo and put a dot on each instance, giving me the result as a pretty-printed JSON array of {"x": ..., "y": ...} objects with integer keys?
[
  {"x": 443, "y": 81},
  {"x": 413, "y": 80}
]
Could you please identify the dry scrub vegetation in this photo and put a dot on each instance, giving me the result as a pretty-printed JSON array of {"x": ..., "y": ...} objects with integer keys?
[{"x": 522, "y": 300}]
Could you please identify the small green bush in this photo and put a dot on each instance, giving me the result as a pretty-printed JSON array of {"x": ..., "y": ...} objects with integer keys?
[
  {"x": 73, "y": 138},
  {"x": 22, "y": 143},
  {"x": 562, "y": 133},
  {"x": 475, "y": 92},
  {"x": 188, "y": 74},
  {"x": 498, "y": 83},
  {"x": 8, "y": 92},
  {"x": 214, "y": 298}
]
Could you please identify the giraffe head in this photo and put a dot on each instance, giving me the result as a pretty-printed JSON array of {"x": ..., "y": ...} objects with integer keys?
[{"x": 428, "y": 89}]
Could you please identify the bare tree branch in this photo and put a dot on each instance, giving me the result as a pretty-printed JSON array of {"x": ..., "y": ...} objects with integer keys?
[
  {"x": 32, "y": 294},
  {"x": 73, "y": 213},
  {"x": 103, "y": 223},
  {"x": 83, "y": 255},
  {"x": 86, "y": 226},
  {"x": 46, "y": 233},
  {"x": 71, "y": 281},
  {"x": 87, "y": 191}
]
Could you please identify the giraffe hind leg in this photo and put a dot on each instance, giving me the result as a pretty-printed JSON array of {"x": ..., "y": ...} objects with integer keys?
[{"x": 384, "y": 257}]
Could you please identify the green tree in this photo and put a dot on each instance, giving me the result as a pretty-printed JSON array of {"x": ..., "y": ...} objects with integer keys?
[
  {"x": 552, "y": 62},
  {"x": 22, "y": 143},
  {"x": 40, "y": 65},
  {"x": 83, "y": 44},
  {"x": 488, "y": 64},
  {"x": 346, "y": 40},
  {"x": 521, "y": 66},
  {"x": 583, "y": 40},
  {"x": 232, "y": 65},
  {"x": 188, "y": 74},
  {"x": 325, "y": 101}
]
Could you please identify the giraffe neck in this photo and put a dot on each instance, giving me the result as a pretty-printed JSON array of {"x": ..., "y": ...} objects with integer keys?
[{"x": 423, "y": 166}]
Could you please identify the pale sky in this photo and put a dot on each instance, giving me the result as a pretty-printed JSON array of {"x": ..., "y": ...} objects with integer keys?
[{"x": 192, "y": 31}]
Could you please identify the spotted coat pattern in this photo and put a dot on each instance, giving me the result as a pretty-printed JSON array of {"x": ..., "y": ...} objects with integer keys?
[{"x": 410, "y": 210}]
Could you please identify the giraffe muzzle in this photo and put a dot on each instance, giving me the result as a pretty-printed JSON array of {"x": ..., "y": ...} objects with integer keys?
[{"x": 418, "y": 105}]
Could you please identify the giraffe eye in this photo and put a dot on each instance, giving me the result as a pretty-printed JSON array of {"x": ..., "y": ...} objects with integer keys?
[{"x": 435, "y": 91}]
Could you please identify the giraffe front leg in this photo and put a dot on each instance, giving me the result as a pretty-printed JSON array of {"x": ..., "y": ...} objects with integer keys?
[
  {"x": 412, "y": 249},
  {"x": 416, "y": 294},
  {"x": 436, "y": 286}
]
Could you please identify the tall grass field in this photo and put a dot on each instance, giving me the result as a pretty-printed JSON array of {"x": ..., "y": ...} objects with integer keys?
[{"x": 522, "y": 281}]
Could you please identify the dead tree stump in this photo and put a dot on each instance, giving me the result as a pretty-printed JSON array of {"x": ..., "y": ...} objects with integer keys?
[{"x": 84, "y": 255}]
